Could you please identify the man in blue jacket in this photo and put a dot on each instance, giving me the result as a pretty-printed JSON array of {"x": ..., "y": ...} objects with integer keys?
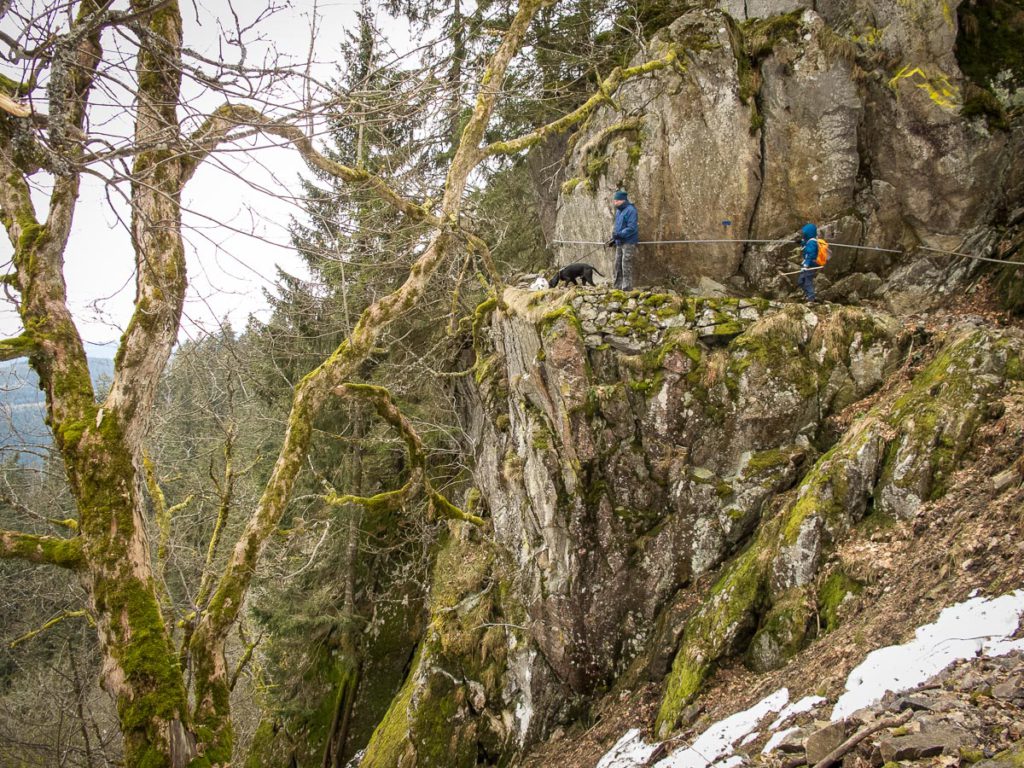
[
  {"x": 809, "y": 252},
  {"x": 625, "y": 236}
]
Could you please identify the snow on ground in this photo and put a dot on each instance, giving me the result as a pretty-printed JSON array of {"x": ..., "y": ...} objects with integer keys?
[
  {"x": 777, "y": 738},
  {"x": 979, "y": 626},
  {"x": 629, "y": 751},
  {"x": 719, "y": 740},
  {"x": 806, "y": 704}
]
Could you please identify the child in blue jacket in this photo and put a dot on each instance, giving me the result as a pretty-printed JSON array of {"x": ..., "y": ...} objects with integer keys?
[{"x": 809, "y": 252}]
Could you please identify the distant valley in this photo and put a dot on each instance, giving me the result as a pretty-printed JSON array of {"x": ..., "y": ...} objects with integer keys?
[{"x": 23, "y": 430}]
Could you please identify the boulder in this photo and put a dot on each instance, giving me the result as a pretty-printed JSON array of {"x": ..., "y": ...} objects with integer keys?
[
  {"x": 824, "y": 740},
  {"x": 928, "y": 743}
]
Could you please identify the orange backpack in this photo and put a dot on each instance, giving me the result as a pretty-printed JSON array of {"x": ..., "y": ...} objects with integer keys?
[{"x": 822, "y": 251}]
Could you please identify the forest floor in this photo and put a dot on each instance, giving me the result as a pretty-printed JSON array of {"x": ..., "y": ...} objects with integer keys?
[{"x": 970, "y": 539}]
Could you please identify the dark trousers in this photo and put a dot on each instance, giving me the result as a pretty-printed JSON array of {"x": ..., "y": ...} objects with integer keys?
[{"x": 806, "y": 281}]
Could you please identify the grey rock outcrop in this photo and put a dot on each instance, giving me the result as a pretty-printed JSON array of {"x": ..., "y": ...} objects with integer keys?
[
  {"x": 848, "y": 115},
  {"x": 615, "y": 478},
  {"x": 691, "y": 164}
]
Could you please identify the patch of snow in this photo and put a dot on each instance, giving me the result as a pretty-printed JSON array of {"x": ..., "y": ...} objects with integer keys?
[
  {"x": 628, "y": 752},
  {"x": 540, "y": 284},
  {"x": 777, "y": 738},
  {"x": 977, "y": 627},
  {"x": 750, "y": 737},
  {"x": 719, "y": 740},
  {"x": 806, "y": 704}
]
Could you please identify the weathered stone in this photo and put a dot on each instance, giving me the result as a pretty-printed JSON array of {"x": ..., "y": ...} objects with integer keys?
[
  {"x": 1009, "y": 690},
  {"x": 626, "y": 345},
  {"x": 812, "y": 113},
  {"x": 1009, "y": 758},
  {"x": 751, "y": 9},
  {"x": 696, "y": 159},
  {"x": 794, "y": 742},
  {"x": 1006, "y": 479},
  {"x": 928, "y": 743},
  {"x": 853, "y": 288},
  {"x": 824, "y": 740},
  {"x": 916, "y": 703}
]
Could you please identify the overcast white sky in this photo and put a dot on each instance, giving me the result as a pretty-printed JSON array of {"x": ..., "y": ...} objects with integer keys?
[{"x": 236, "y": 231}]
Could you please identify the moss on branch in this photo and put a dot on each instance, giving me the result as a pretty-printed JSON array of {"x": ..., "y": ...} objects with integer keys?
[
  {"x": 41, "y": 550},
  {"x": 389, "y": 411},
  {"x": 601, "y": 96},
  {"x": 17, "y": 346}
]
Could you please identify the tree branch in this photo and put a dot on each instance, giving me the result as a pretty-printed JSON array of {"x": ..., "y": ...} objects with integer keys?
[
  {"x": 601, "y": 96},
  {"x": 227, "y": 117},
  {"x": 51, "y": 623},
  {"x": 316, "y": 387},
  {"x": 857, "y": 738},
  {"x": 18, "y": 346},
  {"x": 389, "y": 411},
  {"x": 41, "y": 550}
]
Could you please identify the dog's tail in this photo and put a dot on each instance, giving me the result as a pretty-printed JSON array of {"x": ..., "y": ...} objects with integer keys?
[{"x": 599, "y": 271}]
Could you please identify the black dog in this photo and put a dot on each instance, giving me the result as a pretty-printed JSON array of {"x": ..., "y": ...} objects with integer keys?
[{"x": 573, "y": 273}]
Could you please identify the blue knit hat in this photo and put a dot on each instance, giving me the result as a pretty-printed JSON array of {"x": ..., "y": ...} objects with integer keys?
[{"x": 620, "y": 195}]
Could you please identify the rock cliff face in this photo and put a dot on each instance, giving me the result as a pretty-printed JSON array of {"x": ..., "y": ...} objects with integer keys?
[
  {"x": 667, "y": 478},
  {"x": 642, "y": 452},
  {"x": 855, "y": 116}
]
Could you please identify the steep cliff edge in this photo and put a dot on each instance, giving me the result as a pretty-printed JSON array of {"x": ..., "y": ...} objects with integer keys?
[{"x": 667, "y": 485}]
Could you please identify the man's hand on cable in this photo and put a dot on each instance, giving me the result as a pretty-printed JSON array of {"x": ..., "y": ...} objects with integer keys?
[{"x": 610, "y": 243}]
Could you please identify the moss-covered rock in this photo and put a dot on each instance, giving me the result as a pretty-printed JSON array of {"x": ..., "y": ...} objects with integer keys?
[
  {"x": 784, "y": 630},
  {"x": 455, "y": 703},
  {"x": 832, "y": 593},
  {"x": 948, "y": 399}
]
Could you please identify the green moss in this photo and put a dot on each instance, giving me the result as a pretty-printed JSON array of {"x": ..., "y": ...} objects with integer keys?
[
  {"x": 831, "y": 594},
  {"x": 569, "y": 185},
  {"x": 876, "y": 521},
  {"x": 824, "y": 493},
  {"x": 783, "y": 632},
  {"x": 990, "y": 45},
  {"x": 16, "y": 87},
  {"x": 980, "y": 102},
  {"x": 936, "y": 417},
  {"x": 635, "y": 153},
  {"x": 971, "y": 755},
  {"x": 540, "y": 437},
  {"x": 567, "y": 313},
  {"x": 675, "y": 340},
  {"x": 1013, "y": 756},
  {"x": 752, "y": 41},
  {"x": 645, "y": 386},
  {"x": 716, "y": 629},
  {"x": 636, "y": 521},
  {"x": 764, "y": 462},
  {"x": 389, "y": 741},
  {"x": 596, "y": 167}
]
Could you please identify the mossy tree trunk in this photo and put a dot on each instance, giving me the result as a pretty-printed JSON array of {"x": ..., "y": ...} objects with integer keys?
[{"x": 98, "y": 444}]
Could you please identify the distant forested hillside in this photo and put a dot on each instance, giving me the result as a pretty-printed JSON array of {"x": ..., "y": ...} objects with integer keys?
[{"x": 22, "y": 425}]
